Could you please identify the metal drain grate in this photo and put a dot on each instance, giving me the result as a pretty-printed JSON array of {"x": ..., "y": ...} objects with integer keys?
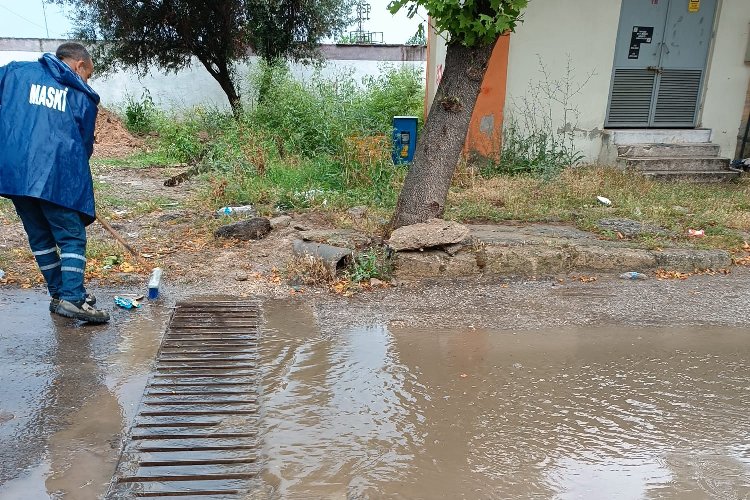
[{"x": 194, "y": 435}]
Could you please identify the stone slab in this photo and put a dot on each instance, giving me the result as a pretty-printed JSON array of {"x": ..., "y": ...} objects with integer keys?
[{"x": 549, "y": 249}]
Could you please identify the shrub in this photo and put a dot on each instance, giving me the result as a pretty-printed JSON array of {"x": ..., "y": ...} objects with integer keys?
[
  {"x": 372, "y": 263},
  {"x": 140, "y": 115}
]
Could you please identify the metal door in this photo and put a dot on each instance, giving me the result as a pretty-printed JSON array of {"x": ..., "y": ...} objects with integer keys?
[{"x": 660, "y": 62}]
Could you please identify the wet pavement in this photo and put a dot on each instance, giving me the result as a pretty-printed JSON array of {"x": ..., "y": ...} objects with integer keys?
[
  {"x": 390, "y": 412},
  {"x": 67, "y": 393},
  {"x": 374, "y": 406}
]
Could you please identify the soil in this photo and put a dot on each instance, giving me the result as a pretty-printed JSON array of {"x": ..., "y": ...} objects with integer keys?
[
  {"x": 172, "y": 231},
  {"x": 112, "y": 139},
  {"x": 177, "y": 236}
]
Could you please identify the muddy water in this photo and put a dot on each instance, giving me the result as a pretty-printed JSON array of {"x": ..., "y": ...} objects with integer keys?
[
  {"x": 67, "y": 393},
  {"x": 379, "y": 412}
]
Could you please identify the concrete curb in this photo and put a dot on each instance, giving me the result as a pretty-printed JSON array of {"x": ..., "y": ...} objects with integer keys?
[{"x": 544, "y": 249}]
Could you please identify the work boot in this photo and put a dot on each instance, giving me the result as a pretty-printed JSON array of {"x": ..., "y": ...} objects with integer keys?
[
  {"x": 82, "y": 311},
  {"x": 89, "y": 298}
]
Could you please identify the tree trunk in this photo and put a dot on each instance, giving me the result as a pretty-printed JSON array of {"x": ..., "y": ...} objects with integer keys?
[
  {"x": 439, "y": 147},
  {"x": 225, "y": 81},
  {"x": 224, "y": 78}
]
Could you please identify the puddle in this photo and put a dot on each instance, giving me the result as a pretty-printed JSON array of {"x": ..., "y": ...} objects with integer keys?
[
  {"x": 71, "y": 390},
  {"x": 382, "y": 411},
  {"x": 378, "y": 412}
]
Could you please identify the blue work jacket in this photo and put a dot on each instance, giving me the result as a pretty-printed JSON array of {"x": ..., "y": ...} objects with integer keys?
[{"x": 47, "y": 120}]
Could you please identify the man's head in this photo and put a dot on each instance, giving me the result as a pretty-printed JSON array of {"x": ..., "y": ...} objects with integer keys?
[{"x": 78, "y": 58}]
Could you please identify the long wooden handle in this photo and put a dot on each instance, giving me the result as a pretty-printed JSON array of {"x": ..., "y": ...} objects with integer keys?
[{"x": 118, "y": 237}]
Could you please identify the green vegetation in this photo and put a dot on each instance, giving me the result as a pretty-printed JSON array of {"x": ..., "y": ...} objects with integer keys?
[
  {"x": 324, "y": 144},
  {"x": 321, "y": 143},
  {"x": 167, "y": 35},
  {"x": 468, "y": 23},
  {"x": 719, "y": 209},
  {"x": 372, "y": 263}
]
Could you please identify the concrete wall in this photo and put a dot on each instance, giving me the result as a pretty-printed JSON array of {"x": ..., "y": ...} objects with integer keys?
[
  {"x": 553, "y": 37},
  {"x": 559, "y": 43},
  {"x": 436, "y": 50},
  {"x": 194, "y": 86},
  {"x": 728, "y": 75}
]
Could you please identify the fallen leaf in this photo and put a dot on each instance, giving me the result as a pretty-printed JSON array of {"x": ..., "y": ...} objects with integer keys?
[{"x": 127, "y": 267}]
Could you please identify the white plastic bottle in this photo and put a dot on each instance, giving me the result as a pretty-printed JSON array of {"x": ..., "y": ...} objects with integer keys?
[{"x": 153, "y": 284}]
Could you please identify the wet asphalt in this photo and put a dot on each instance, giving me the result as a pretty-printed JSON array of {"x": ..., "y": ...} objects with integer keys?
[
  {"x": 351, "y": 387},
  {"x": 67, "y": 392}
]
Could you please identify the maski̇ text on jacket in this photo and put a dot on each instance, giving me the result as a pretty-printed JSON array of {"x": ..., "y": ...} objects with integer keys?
[{"x": 51, "y": 97}]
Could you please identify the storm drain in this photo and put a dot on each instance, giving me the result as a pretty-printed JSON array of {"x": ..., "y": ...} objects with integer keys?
[{"x": 194, "y": 435}]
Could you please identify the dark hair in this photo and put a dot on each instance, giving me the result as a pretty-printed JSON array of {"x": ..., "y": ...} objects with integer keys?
[{"x": 73, "y": 50}]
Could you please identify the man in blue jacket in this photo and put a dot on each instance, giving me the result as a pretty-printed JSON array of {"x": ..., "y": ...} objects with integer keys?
[{"x": 47, "y": 118}]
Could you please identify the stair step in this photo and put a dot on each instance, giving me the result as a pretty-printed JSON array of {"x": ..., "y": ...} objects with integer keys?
[
  {"x": 676, "y": 164},
  {"x": 659, "y": 150},
  {"x": 692, "y": 176},
  {"x": 659, "y": 136}
]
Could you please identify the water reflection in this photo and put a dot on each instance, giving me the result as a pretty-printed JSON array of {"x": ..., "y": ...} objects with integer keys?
[
  {"x": 71, "y": 390},
  {"x": 378, "y": 413}
]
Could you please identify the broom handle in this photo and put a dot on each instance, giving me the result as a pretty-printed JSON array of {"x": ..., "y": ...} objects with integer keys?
[{"x": 117, "y": 236}]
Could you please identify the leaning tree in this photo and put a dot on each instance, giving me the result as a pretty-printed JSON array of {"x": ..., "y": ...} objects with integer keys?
[
  {"x": 168, "y": 33},
  {"x": 471, "y": 28}
]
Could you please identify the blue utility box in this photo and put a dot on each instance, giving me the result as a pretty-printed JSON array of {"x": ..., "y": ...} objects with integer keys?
[{"x": 404, "y": 139}]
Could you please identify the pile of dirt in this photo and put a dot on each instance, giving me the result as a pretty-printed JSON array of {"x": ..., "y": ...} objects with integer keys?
[{"x": 112, "y": 139}]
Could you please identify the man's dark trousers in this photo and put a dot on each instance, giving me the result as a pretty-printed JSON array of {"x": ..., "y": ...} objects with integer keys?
[{"x": 51, "y": 228}]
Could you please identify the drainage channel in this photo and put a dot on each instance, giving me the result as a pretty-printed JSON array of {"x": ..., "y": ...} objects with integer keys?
[{"x": 194, "y": 434}]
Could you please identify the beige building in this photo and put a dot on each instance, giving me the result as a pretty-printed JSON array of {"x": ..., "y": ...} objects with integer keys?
[{"x": 607, "y": 74}]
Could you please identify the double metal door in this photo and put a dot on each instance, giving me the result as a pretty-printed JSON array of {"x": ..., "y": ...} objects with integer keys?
[{"x": 660, "y": 62}]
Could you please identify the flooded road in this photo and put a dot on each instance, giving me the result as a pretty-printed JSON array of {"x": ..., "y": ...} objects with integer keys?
[
  {"x": 67, "y": 393},
  {"x": 383, "y": 409},
  {"x": 379, "y": 412}
]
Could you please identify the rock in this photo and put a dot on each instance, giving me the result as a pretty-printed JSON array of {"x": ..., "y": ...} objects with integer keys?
[
  {"x": 630, "y": 228},
  {"x": 688, "y": 260},
  {"x": 376, "y": 282},
  {"x": 250, "y": 229},
  {"x": 281, "y": 221},
  {"x": 430, "y": 234},
  {"x": 428, "y": 264},
  {"x": 240, "y": 277},
  {"x": 346, "y": 238},
  {"x": 171, "y": 216},
  {"x": 453, "y": 249},
  {"x": 357, "y": 212}
]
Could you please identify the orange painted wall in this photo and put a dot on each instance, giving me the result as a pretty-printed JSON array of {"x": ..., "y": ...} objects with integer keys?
[{"x": 486, "y": 126}]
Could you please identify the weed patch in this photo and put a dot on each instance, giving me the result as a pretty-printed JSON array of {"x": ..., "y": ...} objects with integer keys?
[{"x": 309, "y": 270}]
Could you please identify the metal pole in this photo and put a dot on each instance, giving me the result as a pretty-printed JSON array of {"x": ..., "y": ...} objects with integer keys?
[{"x": 44, "y": 10}]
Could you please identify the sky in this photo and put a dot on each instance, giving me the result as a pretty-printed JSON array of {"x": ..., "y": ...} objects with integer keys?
[{"x": 26, "y": 19}]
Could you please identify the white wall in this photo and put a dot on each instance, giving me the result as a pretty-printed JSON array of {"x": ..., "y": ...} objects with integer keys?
[
  {"x": 728, "y": 75},
  {"x": 582, "y": 32},
  {"x": 436, "y": 50},
  {"x": 194, "y": 86}
]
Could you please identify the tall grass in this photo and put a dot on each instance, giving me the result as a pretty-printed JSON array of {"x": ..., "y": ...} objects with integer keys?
[{"x": 319, "y": 141}]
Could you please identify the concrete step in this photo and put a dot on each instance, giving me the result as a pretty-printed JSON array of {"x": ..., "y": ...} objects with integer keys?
[
  {"x": 681, "y": 150},
  {"x": 676, "y": 164},
  {"x": 693, "y": 176},
  {"x": 659, "y": 136}
]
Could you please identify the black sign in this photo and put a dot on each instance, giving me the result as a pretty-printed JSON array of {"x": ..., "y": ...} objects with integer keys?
[{"x": 641, "y": 34}]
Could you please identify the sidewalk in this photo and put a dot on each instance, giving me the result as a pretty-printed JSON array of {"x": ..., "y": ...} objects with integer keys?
[{"x": 547, "y": 249}]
